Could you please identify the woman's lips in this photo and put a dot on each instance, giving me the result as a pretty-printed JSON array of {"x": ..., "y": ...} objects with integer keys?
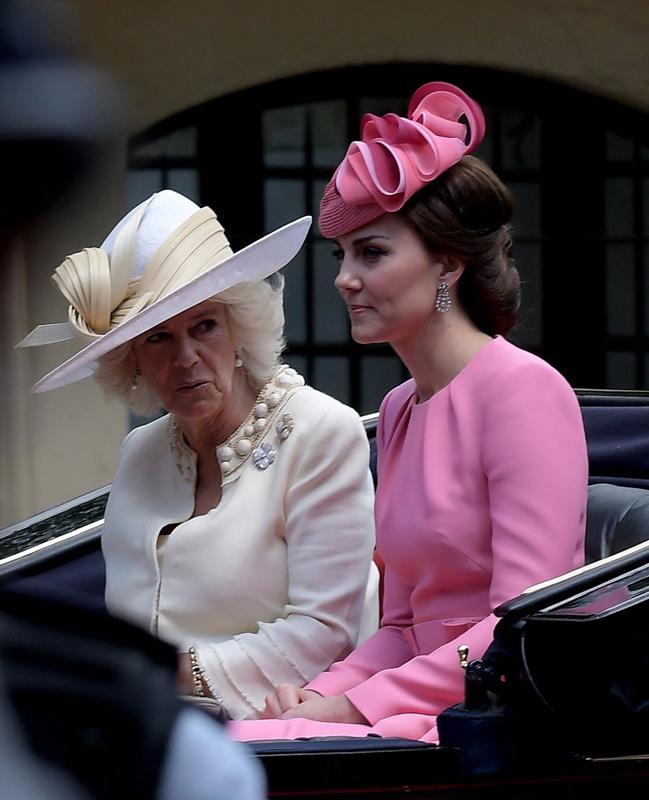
[
  {"x": 356, "y": 310},
  {"x": 189, "y": 387}
]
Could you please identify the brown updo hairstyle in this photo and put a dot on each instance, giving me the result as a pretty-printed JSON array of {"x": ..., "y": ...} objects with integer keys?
[{"x": 465, "y": 214}]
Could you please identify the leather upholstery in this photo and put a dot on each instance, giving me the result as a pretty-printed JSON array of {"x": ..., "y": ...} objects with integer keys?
[{"x": 618, "y": 518}]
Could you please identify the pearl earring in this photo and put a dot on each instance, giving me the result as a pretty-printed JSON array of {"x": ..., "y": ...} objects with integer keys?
[
  {"x": 237, "y": 361},
  {"x": 136, "y": 375}
]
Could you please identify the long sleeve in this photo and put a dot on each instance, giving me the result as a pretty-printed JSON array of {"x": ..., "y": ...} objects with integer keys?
[
  {"x": 329, "y": 538},
  {"x": 534, "y": 458}
]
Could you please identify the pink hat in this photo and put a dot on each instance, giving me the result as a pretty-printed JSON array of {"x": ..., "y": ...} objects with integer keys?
[{"x": 397, "y": 156}]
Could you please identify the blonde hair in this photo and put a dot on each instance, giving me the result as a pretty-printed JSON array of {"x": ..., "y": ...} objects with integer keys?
[{"x": 256, "y": 314}]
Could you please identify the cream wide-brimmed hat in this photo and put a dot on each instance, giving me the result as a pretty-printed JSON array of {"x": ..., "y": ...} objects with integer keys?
[{"x": 166, "y": 256}]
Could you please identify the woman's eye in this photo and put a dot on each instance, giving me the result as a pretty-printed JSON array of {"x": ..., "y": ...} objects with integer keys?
[
  {"x": 158, "y": 336},
  {"x": 207, "y": 325},
  {"x": 373, "y": 253},
  {"x": 337, "y": 254}
]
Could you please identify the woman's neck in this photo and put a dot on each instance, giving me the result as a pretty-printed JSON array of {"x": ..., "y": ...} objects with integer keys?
[
  {"x": 205, "y": 434},
  {"x": 436, "y": 355}
]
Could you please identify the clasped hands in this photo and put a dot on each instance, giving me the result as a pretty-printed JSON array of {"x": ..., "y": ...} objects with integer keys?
[{"x": 290, "y": 702}]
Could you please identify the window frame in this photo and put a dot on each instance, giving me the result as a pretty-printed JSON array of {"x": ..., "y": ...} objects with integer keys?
[{"x": 571, "y": 178}]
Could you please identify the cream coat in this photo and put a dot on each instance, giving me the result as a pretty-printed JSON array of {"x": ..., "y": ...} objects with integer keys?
[{"x": 269, "y": 585}]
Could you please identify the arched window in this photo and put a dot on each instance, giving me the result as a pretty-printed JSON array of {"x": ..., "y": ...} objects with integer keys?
[{"x": 578, "y": 166}]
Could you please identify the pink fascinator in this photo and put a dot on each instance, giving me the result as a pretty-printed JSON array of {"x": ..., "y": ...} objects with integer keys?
[{"x": 396, "y": 156}]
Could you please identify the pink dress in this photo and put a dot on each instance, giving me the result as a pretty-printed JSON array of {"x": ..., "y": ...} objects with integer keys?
[{"x": 482, "y": 493}]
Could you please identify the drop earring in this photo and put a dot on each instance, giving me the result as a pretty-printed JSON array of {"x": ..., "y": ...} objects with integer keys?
[
  {"x": 443, "y": 300},
  {"x": 136, "y": 375},
  {"x": 237, "y": 361}
]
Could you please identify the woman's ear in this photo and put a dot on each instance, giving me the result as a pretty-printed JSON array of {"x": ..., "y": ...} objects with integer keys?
[{"x": 451, "y": 269}]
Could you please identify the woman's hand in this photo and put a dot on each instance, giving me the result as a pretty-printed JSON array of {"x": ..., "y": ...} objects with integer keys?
[
  {"x": 290, "y": 702},
  {"x": 326, "y": 709},
  {"x": 285, "y": 697}
]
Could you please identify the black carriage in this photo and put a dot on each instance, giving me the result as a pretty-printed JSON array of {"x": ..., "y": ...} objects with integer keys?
[{"x": 558, "y": 706}]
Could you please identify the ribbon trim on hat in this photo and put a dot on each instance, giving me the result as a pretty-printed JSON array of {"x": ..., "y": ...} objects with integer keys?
[
  {"x": 396, "y": 156},
  {"x": 101, "y": 292}
]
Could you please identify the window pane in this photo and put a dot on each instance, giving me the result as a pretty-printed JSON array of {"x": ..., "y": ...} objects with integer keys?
[
  {"x": 184, "y": 181},
  {"x": 331, "y": 322},
  {"x": 620, "y": 371},
  {"x": 328, "y": 133},
  {"x": 520, "y": 140},
  {"x": 527, "y": 208},
  {"x": 379, "y": 374},
  {"x": 178, "y": 144},
  {"x": 331, "y": 375},
  {"x": 529, "y": 332},
  {"x": 618, "y": 148},
  {"x": 283, "y": 202},
  {"x": 620, "y": 290},
  {"x": 283, "y": 136},
  {"x": 140, "y": 184},
  {"x": 619, "y": 206},
  {"x": 294, "y": 300}
]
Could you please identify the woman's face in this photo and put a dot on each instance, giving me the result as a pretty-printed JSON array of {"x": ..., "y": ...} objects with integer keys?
[
  {"x": 188, "y": 361},
  {"x": 388, "y": 280}
]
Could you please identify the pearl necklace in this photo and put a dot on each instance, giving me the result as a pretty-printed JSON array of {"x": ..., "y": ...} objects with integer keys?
[{"x": 246, "y": 440}]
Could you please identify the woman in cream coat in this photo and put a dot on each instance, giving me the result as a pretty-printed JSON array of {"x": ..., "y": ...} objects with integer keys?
[{"x": 239, "y": 526}]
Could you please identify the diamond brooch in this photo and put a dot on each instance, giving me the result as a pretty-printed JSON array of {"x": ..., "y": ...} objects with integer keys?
[{"x": 263, "y": 456}]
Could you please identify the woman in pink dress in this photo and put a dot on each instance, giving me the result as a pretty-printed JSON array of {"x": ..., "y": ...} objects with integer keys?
[{"x": 481, "y": 454}]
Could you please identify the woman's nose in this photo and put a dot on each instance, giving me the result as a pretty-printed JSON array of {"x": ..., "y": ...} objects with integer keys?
[
  {"x": 346, "y": 280},
  {"x": 185, "y": 354}
]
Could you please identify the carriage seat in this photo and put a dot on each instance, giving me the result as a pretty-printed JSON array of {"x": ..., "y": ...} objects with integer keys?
[{"x": 617, "y": 518}]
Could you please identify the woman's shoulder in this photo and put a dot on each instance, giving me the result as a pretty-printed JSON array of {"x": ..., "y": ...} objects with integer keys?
[
  {"x": 393, "y": 407},
  {"x": 144, "y": 437},
  {"x": 395, "y": 401},
  {"x": 515, "y": 383},
  {"x": 145, "y": 451},
  {"x": 322, "y": 424},
  {"x": 317, "y": 406},
  {"x": 505, "y": 365},
  {"x": 399, "y": 395}
]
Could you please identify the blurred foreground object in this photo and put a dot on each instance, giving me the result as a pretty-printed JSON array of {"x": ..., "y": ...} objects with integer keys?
[
  {"x": 96, "y": 697},
  {"x": 95, "y": 712},
  {"x": 57, "y": 113}
]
